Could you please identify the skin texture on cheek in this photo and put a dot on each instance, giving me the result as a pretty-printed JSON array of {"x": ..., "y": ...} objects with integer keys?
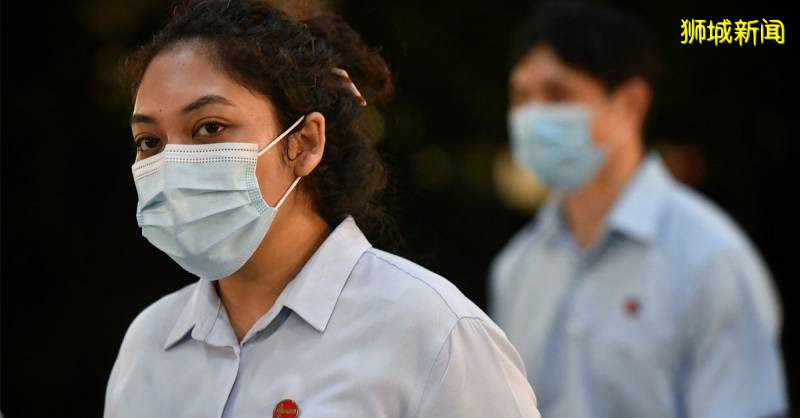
[
  {"x": 610, "y": 123},
  {"x": 601, "y": 128}
]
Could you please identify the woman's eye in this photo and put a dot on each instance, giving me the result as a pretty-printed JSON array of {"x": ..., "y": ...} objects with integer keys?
[
  {"x": 147, "y": 143},
  {"x": 210, "y": 128}
]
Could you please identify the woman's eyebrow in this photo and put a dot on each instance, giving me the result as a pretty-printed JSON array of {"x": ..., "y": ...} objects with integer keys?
[
  {"x": 205, "y": 101},
  {"x": 141, "y": 118}
]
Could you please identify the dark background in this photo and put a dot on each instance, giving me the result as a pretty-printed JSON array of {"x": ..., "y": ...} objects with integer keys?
[{"x": 75, "y": 270}]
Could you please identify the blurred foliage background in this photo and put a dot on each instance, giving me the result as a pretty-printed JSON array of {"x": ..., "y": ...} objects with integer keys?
[{"x": 75, "y": 270}]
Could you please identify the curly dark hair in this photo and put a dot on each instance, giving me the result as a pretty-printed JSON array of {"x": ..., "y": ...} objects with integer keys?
[{"x": 290, "y": 61}]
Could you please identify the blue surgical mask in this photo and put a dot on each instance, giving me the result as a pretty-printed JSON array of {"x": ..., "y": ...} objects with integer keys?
[
  {"x": 201, "y": 204},
  {"x": 555, "y": 143}
]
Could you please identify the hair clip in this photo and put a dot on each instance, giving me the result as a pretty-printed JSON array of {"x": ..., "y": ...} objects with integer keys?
[{"x": 350, "y": 85}]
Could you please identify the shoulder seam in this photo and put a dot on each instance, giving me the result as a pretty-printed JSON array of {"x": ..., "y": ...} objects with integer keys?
[
  {"x": 447, "y": 338},
  {"x": 446, "y": 302}
]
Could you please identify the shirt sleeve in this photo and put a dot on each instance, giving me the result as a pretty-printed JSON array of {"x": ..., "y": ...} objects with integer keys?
[
  {"x": 735, "y": 367},
  {"x": 477, "y": 373}
]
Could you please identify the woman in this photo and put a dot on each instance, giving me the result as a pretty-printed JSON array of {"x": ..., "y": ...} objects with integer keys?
[{"x": 254, "y": 170}]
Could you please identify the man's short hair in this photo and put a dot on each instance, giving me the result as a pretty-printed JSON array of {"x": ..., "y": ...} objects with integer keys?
[{"x": 609, "y": 45}]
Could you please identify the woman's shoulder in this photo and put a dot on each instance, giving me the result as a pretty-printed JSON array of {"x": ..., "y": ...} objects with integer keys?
[
  {"x": 411, "y": 289},
  {"x": 418, "y": 318},
  {"x": 151, "y": 327}
]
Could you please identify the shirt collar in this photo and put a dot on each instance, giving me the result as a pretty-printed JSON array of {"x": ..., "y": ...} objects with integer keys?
[
  {"x": 635, "y": 213},
  {"x": 198, "y": 315},
  {"x": 312, "y": 294},
  {"x": 549, "y": 220}
]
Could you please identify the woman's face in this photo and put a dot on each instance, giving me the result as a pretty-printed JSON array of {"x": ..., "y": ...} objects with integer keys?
[{"x": 184, "y": 98}]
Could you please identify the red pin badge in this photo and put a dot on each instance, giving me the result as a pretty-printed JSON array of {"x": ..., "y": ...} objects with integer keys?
[{"x": 286, "y": 408}]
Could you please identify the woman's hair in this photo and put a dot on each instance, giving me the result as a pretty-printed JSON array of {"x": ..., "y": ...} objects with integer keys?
[{"x": 291, "y": 62}]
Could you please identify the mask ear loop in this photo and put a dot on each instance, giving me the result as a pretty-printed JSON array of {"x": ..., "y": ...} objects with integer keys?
[
  {"x": 271, "y": 144},
  {"x": 281, "y": 136},
  {"x": 285, "y": 195}
]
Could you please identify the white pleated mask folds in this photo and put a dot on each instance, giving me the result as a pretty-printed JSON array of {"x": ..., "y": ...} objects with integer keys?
[{"x": 201, "y": 204}]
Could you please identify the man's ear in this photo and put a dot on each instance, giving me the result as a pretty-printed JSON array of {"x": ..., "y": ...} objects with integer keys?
[
  {"x": 637, "y": 96},
  {"x": 307, "y": 145}
]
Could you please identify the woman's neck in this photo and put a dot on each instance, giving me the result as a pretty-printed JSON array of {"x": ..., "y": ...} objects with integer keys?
[{"x": 292, "y": 239}]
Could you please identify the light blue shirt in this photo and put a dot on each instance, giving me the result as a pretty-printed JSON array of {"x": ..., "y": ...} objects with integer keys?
[
  {"x": 357, "y": 333},
  {"x": 670, "y": 314}
]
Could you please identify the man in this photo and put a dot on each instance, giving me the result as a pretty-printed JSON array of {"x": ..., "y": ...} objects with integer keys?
[{"x": 630, "y": 295}]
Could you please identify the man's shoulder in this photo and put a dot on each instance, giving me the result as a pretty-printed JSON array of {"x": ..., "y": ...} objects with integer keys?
[
  {"x": 696, "y": 227},
  {"x": 716, "y": 256}
]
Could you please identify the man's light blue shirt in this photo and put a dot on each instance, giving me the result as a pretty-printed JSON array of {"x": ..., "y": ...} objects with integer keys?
[
  {"x": 357, "y": 333},
  {"x": 670, "y": 314}
]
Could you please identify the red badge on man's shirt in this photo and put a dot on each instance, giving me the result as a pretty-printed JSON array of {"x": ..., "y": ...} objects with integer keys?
[{"x": 632, "y": 307}]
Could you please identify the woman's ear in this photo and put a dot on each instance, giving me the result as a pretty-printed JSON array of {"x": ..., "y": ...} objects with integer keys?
[{"x": 307, "y": 145}]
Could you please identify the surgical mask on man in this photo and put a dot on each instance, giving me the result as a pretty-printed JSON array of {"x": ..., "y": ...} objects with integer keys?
[
  {"x": 554, "y": 142},
  {"x": 201, "y": 204}
]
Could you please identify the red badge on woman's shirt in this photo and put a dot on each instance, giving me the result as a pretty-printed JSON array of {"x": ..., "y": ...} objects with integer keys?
[{"x": 286, "y": 408}]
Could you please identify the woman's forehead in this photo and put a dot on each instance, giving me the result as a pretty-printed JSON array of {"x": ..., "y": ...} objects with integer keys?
[{"x": 179, "y": 75}]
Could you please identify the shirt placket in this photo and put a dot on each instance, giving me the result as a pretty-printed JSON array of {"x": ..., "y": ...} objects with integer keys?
[
  {"x": 222, "y": 338},
  {"x": 262, "y": 329}
]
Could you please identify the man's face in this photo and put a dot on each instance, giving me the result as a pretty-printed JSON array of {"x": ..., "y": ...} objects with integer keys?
[{"x": 542, "y": 77}]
